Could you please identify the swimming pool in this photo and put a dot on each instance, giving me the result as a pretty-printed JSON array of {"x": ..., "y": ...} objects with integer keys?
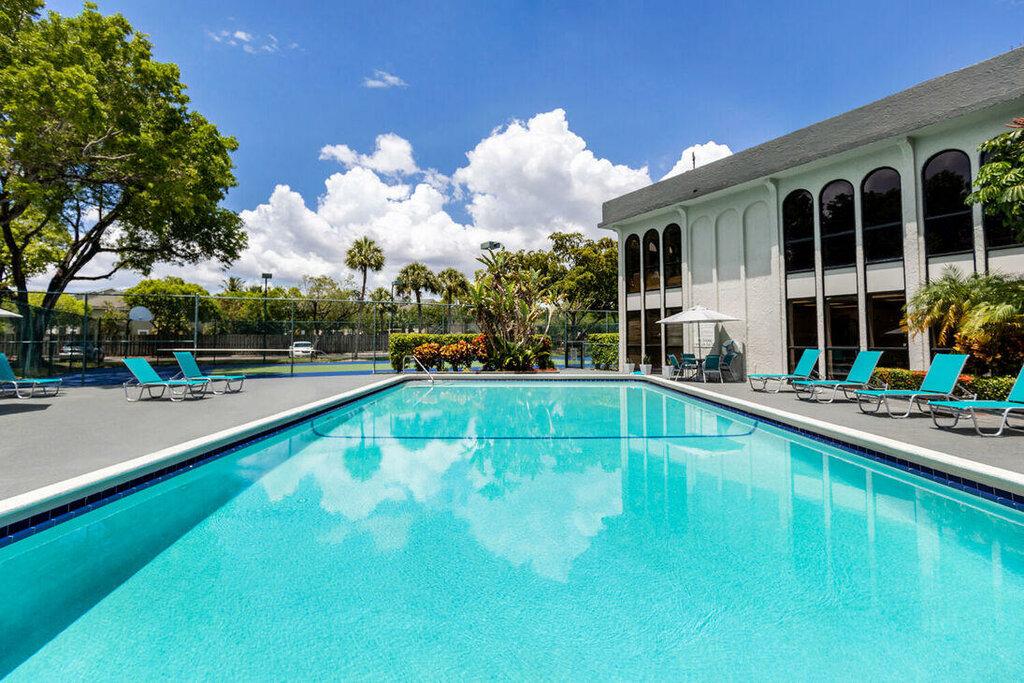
[{"x": 523, "y": 529}]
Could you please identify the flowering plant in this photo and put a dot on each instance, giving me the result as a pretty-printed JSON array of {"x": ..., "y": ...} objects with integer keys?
[
  {"x": 459, "y": 355},
  {"x": 429, "y": 354}
]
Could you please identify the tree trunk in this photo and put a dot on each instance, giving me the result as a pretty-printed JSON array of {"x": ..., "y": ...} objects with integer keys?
[
  {"x": 419, "y": 313},
  {"x": 362, "y": 292}
]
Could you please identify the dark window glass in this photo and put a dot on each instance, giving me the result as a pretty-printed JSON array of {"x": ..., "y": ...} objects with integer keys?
[
  {"x": 948, "y": 220},
  {"x": 673, "y": 241},
  {"x": 798, "y": 231},
  {"x": 652, "y": 261},
  {"x": 673, "y": 334},
  {"x": 838, "y": 226},
  {"x": 885, "y": 329},
  {"x": 633, "y": 329},
  {"x": 653, "y": 337},
  {"x": 632, "y": 264},
  {"x": 882, "y": 216},
  {"x": 842, "y": 334},
  {"x": 802, "y": 324},
  {"x": 997, "y": 233}
]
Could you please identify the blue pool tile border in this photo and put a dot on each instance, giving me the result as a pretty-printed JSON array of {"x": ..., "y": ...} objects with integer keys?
[{"x": 29, "y": 526}]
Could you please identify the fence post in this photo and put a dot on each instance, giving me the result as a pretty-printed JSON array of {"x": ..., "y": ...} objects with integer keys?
[
  {"x": 85, "y": 336},
  {"x": 291, "y": 343},
  {"x": 373, "y": 351},
  {"x": 195, "y": 324}
]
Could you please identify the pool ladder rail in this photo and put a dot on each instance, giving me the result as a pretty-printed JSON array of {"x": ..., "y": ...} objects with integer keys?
[{"x": 422, "y": 366}]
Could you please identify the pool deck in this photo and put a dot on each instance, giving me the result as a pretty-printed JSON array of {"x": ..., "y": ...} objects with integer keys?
[{"x": 46, "y": 441}]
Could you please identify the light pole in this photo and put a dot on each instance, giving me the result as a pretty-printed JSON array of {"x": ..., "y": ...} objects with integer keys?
[
  {"x": 491, "y": 246},
  {"x": 266, "y": 288}
]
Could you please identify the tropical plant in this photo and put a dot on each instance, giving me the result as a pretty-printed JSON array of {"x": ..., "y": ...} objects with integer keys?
[
  {"x": 509, "y": 303},
  {"x": 428, "y": 354},
  {"x": 97, "y": 141},
  {"x": 232, "y": 285},
  {"x": 458, "y": 355},
  {"x": 999, "y": 186},
  {"x": 452, "y": 285},
  {"x": 979, "y": 314},
  {"x": 415, "y": 279},
  {"x": 364, "y": 255}
]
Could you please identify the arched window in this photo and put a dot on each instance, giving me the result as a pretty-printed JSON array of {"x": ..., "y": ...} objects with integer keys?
[
  {"x": 632, "y": 264},
  {"x": 948, "y": 220},
  {"x": 997, "y": 233},
  {"x": 881, "y": 209},
  {"x": 652, "y": 260},
  {"x": 838, "y": 226},
  {"x": 672, "y": 239},
  {"x": 798, "y": 231}
]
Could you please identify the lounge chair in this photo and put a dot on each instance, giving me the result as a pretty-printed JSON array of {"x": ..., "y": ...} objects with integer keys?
[
  {"x": 716, "y": 365},
  {"x": 688, "y": 364},
  {"x": 804, "y": 368},
  {"x": 938, "y": 384},
  {"x": 1013, "y": 405},
  {"x": 858, "y": 378},
  {"x": 146, "y": 380},
  {"x": 190, "y": 370},
  {"x": 8, "y": 382}
]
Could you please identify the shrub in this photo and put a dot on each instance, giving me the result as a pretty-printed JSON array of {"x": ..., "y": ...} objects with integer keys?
[
  {"x": 401, "y": 344},
  {"x": 428, "y": 354},
  {"x": 459, "y": 355},
  {"x": 542, "y": 351},
  {"x": 604, "y": 350},
  {"x": 987, "y": 388}
]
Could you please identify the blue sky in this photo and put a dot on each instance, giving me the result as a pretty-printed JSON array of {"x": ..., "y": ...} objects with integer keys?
[{"x": 638, "y": 81}]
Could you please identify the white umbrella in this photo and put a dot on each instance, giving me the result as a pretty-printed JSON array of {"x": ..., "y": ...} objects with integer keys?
[
  {"x": 8, "y": 314},
  {"x": 697, "y": 315}
]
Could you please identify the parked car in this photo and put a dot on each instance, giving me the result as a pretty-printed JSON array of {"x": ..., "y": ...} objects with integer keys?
[
  {"x": 76, "y": 351},
  {"x": 302, "y": 349}
]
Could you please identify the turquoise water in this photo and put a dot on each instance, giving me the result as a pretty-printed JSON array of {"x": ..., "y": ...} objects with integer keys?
[{"x": 523, "y": 530}]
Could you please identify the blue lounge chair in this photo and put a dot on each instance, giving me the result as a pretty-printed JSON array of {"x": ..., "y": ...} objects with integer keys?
[
  {"x": 190, "y": 370},
  {"x": 803, "y": 370},
  {"x": 8, "y": 382},
  {"x": 938, "y": 384},
  {"x": 688, "y": 364},
  {"x": 1013, "y": 405},
  {"x": 146, "y": 380},
  {"x": 857, "y": 378}
]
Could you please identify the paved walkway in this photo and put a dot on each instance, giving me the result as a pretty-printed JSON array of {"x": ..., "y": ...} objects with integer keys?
[
  {"x": 45, "y": 441},
  {"x": 1006, "y": 451}
]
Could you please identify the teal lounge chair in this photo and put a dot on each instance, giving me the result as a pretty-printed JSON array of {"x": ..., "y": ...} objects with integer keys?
[
  {"x": 688, "y": 364},
  {"x": 857, "y": 378},
  {"x": 1013, "y": 405},
  {"x": 804, "y": 368},
  {"x": 190, "y": 370},
  {"x": 146, "y": 380},
  {"x": 939, "y": 383},
  {"x": 8, "y": 382}
]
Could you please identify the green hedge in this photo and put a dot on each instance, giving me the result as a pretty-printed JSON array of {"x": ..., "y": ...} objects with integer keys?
[
  {"x": 987, "y": 388},
  {"x": 604, "y": 350},
  {"x": 401, "y": 344}
]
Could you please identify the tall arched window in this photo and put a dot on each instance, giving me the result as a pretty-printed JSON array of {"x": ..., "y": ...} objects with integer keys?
[
  {"x": 838, "y": 226},
  {"x": 652, "y": 260},
  {"x": 881, "y": 209},
  {"x": 632, "y": 264},
  {"x": 672, "y": 239},
  {"x": 798, "y": 231},
  {"x": 948, "y": 220}
]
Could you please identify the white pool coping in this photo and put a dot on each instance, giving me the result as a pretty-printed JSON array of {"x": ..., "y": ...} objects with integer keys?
[{"x": 52, "y": 496}]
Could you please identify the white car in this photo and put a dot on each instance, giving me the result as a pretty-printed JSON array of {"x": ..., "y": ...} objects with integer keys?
[{"x": 301, "y": 349}]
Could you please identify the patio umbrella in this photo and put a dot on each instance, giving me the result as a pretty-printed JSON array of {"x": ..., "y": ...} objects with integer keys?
[
  {"x": 8, "y": 314},
  {"x": 697, "y": 315}
]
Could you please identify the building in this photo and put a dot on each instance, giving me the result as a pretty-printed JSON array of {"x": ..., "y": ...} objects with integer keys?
[{"x": 816, "y": 238}]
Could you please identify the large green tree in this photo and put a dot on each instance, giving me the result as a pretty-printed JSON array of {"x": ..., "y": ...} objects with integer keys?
[
  {"x": 1000, "y": 182},
  {"x": 415, "y": 279},
  {"x": 101, "y": 158},
  {"x": 173, "y": 303},
  {"x": 364, "y": 255}
]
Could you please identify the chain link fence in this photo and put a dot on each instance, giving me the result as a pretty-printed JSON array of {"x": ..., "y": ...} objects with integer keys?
[{"x": 85, "y": 336}]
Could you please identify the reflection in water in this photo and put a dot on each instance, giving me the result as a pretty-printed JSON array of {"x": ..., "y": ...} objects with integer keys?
[{"x": 446, "y": 531}]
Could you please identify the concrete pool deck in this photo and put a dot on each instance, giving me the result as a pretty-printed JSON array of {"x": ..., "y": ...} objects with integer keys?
[{"x": 86, "y": 429}]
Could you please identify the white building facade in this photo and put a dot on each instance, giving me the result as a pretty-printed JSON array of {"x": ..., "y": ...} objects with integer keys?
[{"x": 816, "y": 239}]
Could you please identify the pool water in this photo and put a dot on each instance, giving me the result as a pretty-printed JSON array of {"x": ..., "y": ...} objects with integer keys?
[{"x": 523, "y": 530}]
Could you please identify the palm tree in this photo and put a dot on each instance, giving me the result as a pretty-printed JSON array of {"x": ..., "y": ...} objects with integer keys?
[
  {"x": 364, "y": 255},
  {"x": 979, "y": 314},
  {"x": 232, "y": 284},
  {"x": 415, "y": 279},
  {"x": 452, "y": 285}
]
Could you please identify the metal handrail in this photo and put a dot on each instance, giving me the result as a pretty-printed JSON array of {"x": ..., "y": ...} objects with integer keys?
[{"x": 422, "y": 366}]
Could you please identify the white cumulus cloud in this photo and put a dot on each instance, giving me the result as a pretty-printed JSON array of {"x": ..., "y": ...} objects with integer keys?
[
  {"x": 393, "y": 154},
  {"x": 383, "y": 79},
  {"x": 698, "y": 155}
]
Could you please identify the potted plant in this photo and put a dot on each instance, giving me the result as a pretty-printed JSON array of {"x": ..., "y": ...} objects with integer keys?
[
  {"x": 628, "y": 367},
  {"x": 645, "y": 365}
]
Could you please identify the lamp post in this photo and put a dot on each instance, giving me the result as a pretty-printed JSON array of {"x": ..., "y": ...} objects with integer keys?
[
  {"x": 391, "y": 325},
  {"x": 491, "y": 246},
  {"x": 266, "y": 289}
]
